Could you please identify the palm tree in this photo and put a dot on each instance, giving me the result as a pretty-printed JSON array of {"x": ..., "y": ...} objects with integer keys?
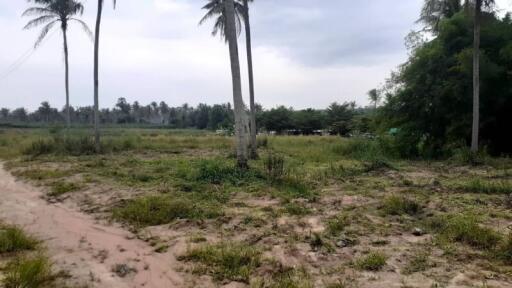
[
  {"x": 374, "y": 97},
  {"x": 240, "y": 118},
  {"x": 49, "y": 13},
  {"x": 215, "y": 8},
  {"x": 96, "y": 76},
  {"x": 434, "y": 11}
]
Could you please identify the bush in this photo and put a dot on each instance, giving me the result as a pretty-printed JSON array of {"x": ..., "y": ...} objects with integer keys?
[
  {"x": 226, "y": 261},
  {"x": 398, "y": 205},
  {"x": 274, "y": 167},
  {"x": 158, "y": 210},
  {"x": 33, "y": 272},
  {"x": 374, "y": 261},
  {"x": 464, "y": 229},
  {"x": 13, "y": 239}
]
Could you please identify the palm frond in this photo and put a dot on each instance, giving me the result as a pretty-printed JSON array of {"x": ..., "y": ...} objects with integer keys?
[
  {"x": 39, "y": 20},
  {"x": 37, "y": 11},
  {"x": 85, "y": 27},
  {"x": 44, "y": 32}
]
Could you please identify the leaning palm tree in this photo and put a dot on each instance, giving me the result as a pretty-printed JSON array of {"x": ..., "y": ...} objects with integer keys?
[
  {"x": 240, "y": 118},
  {"x": 96, "y": 76},
  {"x": 49, "y": 13},
  {"x": 215, "y": 9},
  {"x": 374, "y": 97}
]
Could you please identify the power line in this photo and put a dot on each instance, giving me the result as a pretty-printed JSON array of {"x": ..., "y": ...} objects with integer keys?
[{"x": 22, "y": 59}]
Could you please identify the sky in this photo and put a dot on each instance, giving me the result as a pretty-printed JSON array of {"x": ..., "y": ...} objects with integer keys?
[{"x": 306, "y": 53}]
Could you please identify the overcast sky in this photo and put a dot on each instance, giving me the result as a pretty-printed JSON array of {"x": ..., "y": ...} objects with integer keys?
[{"x": 306, "y": 53}]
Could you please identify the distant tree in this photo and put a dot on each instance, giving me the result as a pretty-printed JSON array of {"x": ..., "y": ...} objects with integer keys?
[
  {"x": 339, "y": 117},
  {"x": 434, "y": 11},
  {"x": 202, "y": 116},
  {"x": 278, "y": 119},
  {"x": 20, "y": 115},
  {"x": 4, "y": 113},
  {"x": 308, "y": 121},
  {"x": 374, "y": 97},
  {"x": 45, "y": 111},
  {"x": 51, "y": 12}
]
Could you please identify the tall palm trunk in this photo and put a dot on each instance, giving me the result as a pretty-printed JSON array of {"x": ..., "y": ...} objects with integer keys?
[
  {"x": 241, "y": 129},
  {"x": 66, "y": 68},
  {"x": 476, "y": 77},
  {"x": 248, "y": 44},
  {"x": 96, "y": 78}
]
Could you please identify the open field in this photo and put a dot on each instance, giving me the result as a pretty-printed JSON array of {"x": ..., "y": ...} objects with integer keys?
[{"x": 311, "y": 212}]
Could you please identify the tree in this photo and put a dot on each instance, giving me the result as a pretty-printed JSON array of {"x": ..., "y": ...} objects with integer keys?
[
  {"x": 374, "y": 97},
  {"x": 240, "y": 115},
  {"x": 215, "y": 9},
  {"x": 51, "y": 12},
  {"x": 434, "y": 11},
  {"x": 96, "y": 76}
]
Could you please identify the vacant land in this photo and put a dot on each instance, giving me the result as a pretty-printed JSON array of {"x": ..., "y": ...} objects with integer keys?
[{"x": 311, "y": 212}]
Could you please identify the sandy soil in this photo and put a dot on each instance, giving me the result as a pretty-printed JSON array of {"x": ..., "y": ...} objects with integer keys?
[{"x": 94, "y": 254}]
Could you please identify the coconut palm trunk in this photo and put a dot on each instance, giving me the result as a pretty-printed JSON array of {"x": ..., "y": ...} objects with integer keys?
[
  {"x": 476, "y": 77},
  {"x": 66, "y": 68},
  {"x": 96, "y": 77},
  {"x": 248, "y": 44},
  {"x": 241, "y": 128}
]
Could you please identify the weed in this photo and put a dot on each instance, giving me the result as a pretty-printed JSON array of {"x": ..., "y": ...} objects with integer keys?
[
  {"x": 158, "y": 210},
  {"x": 225, "y": 261},
  {"x": 13, "y": 239},
  {"x": 374, "y": 261},
  {"x": 61, "y": 187},
  {"x": 28, "y": 272},
  {"x": 286, "y": 278},
  {"x": 398, "y": 205},
  {"x": 274, "y": 167},
  {"x": 463, "y": 229},
  {"x": 219, "y": 172},
  {"x": 418, "y": 263},
  {"x": 337, "y": 224}
]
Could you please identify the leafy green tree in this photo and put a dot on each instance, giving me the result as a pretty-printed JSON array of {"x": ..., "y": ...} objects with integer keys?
[
  {"x": 278, "y": 119},
  {"x": 339, "y": 117},
  {"x": 49, "y": 13},
  {"x": 308, "y": 121}
]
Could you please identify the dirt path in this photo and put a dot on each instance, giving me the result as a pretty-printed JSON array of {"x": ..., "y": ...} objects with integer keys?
[{"x": 78, "y": 244}]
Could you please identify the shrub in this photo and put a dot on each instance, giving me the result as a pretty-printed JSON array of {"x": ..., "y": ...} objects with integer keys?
[
  {"x": 274, "y": 166},
  {"x": 13, "y": 239},
  {"x": 374, "y": 261},
  {"x": 398, "y": 205},
  {"x": 487, "y": 187},
  {"x": 61, "y": 187},
  {"x": 158, "y": 210},
  {"x": 464, "y": 229},
  {"x": 33, "y": 272},
  {"x": 226, "y": 261}
]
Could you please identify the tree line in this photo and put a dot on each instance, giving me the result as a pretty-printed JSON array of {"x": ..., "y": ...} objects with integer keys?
[{"x": 337, "y": 119}]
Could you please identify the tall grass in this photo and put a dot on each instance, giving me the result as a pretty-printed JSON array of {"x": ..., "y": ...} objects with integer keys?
[
  {"x": 13, "y": 239},
  {"x": 28, "y": 272}
]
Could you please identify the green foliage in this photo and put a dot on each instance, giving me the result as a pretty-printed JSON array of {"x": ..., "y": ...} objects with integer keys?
[
  {"x": 486, "y": 187},
  {"x": 219, "y": 172},
  {"x": 464, "y": 229},
  {"x": 418, "y": 263},
  {"x": 285, "y": 278},
  {"x": 297, "y": 209},
  {"x": 432, "y": 102},
  {"x": 225, "y": 261},
  {"x": 62, "y": 187},
  {"x": 374, "y": 261},
  {"x": 28, "y": 272},
  {"x": 505, "y": 250},
  {"x": 13, "y": 240},
  {"x": 375, "y": 153},
  {"x": 337, "y": 224},
  {"x": 158, "y": 210},
  {"x": 399, "y": 205}
]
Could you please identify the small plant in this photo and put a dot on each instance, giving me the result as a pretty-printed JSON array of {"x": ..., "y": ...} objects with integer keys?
[
  {"x": 487, "y": 187},
  {"x": 398, "y": 205},
  {"x": 274, "y": 167},
  {"x": 337, "y": 224},
  {"x": 418, "y": 263},
  {"x": 61, "y": 187},
  {"x": 28, "y": 272},
  {"x": 374, "y": 261},
  {"x": 225, "y": 261},
  {"x": 464, "y": 229},
  {"x": 13, "y": 239}
]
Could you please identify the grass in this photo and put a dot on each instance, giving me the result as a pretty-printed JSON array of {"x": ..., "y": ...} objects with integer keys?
[
  {"x": 399, "y": 205},
  {"x": 285, "y": 278},
  {"x": 163, "y": 209},
  {"x": 225, "y": 261},
  {"x": 504, "y": 251},
  {"x": 13, "y": 240},
  {"x": 337, "y": 224},
  {"x": 374, "y": 261},
  {"x": 418, "y": 263},
  {"x": 486, "y": 187},
  {"x": 60, "y": 188},
  {"x": 464, "y": 229},
  {"x": 296, "y": 209},
  {"x": 28, "y": 272}
]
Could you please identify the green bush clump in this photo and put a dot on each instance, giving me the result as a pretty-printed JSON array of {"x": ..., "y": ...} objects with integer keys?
[
  {"x": 464, "y": 229},
  {"x": 374, "y": 261},
  {"x": 219, "y": 172},
  {"x": 163, "y": 209},
  {"x": 225, "y": 261},
  {"x": 28, "y": 272},
  {"x": 13, "y": 239},
  {"x": 399, "y": 205}
]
